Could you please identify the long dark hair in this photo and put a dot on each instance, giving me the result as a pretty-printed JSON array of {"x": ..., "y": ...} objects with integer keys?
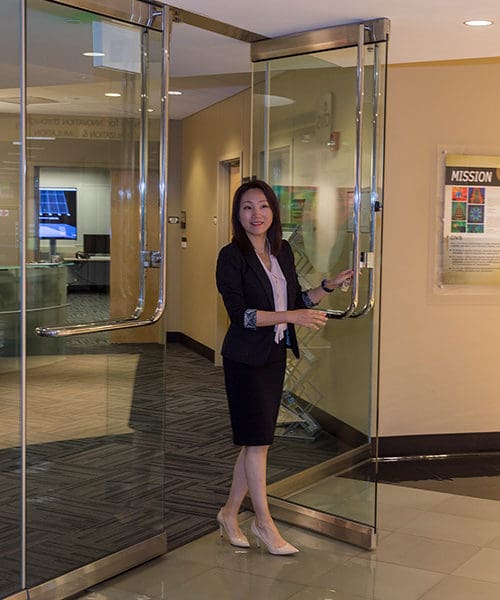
[{"x": 274, "y": 233}]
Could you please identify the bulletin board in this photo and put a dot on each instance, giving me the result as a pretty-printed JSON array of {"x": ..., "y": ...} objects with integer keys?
[{"x": 471, "y": 220}]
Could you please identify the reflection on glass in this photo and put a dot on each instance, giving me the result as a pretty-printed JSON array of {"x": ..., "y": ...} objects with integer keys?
[
  {"x": 95, "y": 402},
  {"x": 10, "y": 238},
  {"x": 305, "y": 146}
]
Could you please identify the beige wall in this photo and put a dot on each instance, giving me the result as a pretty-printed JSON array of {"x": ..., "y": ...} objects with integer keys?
[
  {"x": 173, "y": 308},
  {"x": 216, "y": 134},
  {"x": 438, "y": 349}
]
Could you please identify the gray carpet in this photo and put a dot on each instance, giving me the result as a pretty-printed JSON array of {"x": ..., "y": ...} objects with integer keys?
[{"x": 90, "y": 497}]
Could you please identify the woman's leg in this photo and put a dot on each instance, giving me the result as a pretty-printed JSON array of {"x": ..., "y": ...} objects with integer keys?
[
  {"x": 239, "y": 488},
  {"x": 228, "y": 514},
  {"x": 256, "y": 471}
]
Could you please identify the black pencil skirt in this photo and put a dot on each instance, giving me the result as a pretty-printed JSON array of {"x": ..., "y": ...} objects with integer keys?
[{"x": 254, "y": 396}]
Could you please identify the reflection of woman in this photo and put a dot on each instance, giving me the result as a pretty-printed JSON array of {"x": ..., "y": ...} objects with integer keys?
[{"x": 257, "y": 280}]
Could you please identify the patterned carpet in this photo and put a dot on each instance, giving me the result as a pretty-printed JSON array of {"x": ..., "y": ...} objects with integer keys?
[
  {"x": 90, "y": 495},
  {"x": 199, "y": 451}
]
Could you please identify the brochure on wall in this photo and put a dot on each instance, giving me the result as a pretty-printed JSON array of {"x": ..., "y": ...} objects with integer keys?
[{"x": 471, "y": 224}]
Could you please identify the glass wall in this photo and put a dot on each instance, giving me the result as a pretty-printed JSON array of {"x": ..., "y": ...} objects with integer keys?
[
  {"x": 94, "y": 403},
  {"x": 305, "y": 144},
  {"x": 10, "y": 301}
]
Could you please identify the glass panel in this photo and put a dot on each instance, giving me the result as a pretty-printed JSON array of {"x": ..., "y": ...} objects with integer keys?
[
  {"x": 95, "y": 402},
  {"x": 304, "y": 144},
  {"x": 10, "y": 239}
]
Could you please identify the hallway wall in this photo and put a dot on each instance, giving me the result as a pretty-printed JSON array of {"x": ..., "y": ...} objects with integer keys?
[
  {"x": 219, "y": 133},
  {"x": 438, "y": 347}
]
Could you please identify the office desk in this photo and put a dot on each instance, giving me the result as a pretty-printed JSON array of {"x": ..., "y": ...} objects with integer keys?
[
  {"x": 46, "y": 304},
  {"x": 88, "y": 273}
]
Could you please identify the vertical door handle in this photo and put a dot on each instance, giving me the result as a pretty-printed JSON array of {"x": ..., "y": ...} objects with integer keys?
[
  {"x": 158, "y": 257},
  {"x": 356, "y": 210},
  {"x": 375, "y": 205}
]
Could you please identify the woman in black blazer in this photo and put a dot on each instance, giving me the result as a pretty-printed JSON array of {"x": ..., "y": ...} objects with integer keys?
[{"x": 257, "y": 280}]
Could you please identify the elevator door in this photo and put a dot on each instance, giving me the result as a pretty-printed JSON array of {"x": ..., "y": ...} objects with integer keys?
[
  {"x": 83, "y": 352},
  {"x": 318, "y": 106}
]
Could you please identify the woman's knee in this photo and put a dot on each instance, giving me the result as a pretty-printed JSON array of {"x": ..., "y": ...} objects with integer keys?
[{"x": 256, "y": 450}]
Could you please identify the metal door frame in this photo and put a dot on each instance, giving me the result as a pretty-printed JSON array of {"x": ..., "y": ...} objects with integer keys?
[
  {"x": 145, "y": 14},
  {"x": 309, "y": 42}
]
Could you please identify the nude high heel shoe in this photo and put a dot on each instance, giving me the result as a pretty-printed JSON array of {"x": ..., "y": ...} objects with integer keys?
[
  {"x": 239, "y": 540},
  {"x": 283, "y": 550}
]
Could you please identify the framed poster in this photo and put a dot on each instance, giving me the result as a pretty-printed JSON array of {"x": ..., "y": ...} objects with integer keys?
[{"x": 471, "y": 220}]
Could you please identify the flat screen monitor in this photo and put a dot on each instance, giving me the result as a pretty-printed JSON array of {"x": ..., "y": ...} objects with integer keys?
[
  {"x": 96, "y": 243},
  {"x": 57, "y": 214}
]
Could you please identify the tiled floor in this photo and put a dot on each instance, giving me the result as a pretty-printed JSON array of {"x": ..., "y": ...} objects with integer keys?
[{"x": 431, "y": 546}]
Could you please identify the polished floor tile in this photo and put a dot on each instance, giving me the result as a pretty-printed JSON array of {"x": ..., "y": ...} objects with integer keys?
[
  {"x": 405, "y": 566},
  {"x": 423, "y": 553},
  {"x": 485, "y": 565},
  {"x": 392, "y": 518},
  {"x": 155, "y": 577},
  {"x": 461, "y": 588},
  {"x": 451, "y": 528},
  {"x": 495, "y": 543},
  {"x": 221, "y": 584},
  {"x": 465, "y": 506},
  {"x": 314, "y": 593},
  {"x": 379, "y": 581}
]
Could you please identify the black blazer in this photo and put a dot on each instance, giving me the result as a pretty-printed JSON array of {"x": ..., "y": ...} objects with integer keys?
[{"x": 243, "y": 284}]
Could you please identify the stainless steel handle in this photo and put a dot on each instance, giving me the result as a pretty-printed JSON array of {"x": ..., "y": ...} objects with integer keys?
[
  {"x": 374, "y": 199},
  {"x": 133, "y": 320},
  {"x": 360, "y": 78}
]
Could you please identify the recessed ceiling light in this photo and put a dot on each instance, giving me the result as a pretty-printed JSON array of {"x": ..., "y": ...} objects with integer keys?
[
  {"x": 94, "y": 54},
  {"x": 273, "y": 101},
  {"x": 112, "y": 94},
  {"x": 35, "y": 137},
  {"x": 478, "y": 23},
  {"x": 174, "y": 93}
]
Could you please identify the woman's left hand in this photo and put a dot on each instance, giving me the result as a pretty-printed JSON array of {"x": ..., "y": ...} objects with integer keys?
[{"x": 335, "y": 282}]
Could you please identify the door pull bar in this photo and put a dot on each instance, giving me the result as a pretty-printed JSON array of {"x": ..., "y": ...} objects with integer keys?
[
  {"x": 375, "y": 204},
  {"x": 156, "y": 258},
  {"x": 356, "y": 209}
]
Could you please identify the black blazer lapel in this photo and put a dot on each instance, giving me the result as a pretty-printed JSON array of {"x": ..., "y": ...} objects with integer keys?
[
  {"x": 255, "y": 264},
  {"x": 286, "y": 265}
]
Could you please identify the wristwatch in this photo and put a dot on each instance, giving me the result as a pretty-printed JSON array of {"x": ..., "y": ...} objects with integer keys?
[{"x": 326, "y": 289}]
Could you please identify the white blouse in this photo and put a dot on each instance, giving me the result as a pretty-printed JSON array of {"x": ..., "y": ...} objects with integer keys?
[{"x": 278, "y": 283}]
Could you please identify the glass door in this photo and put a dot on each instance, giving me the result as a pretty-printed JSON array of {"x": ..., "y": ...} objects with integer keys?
[
  {"x": 10, "y": 308},
  {"x": 82, "y": 266},
  {"x": 318, "y": 109}
]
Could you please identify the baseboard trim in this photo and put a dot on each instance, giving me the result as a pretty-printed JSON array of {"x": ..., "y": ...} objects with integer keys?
[
  {"x": 181, "y": 338},
  {"x": 341, "y": 430},
  {"x": 438, "y": 444}
]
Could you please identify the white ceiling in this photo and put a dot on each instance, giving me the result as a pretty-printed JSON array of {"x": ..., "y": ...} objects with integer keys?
[
  {"x": 421, "y": 30},
  {"x": 209, "y": 67}
]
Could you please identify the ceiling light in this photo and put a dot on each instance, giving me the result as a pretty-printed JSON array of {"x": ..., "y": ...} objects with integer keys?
[
  {"x": 272, "y": 101},
  {"x": 112, "y": 94},
  {"x": 94, "y": 54},
  {"x": 174, "y": 93},
  {"x": 478, "y": 23},
  {"x": 72, "y": 21},
  {"x": 35, "y": 137}
]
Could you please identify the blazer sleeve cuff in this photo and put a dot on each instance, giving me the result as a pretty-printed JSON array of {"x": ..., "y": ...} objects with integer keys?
[
  {"x": 250, "y": 318},
  {"x": 307, "y": 300}
]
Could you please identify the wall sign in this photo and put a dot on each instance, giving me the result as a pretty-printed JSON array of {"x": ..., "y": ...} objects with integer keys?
[{"x": 471, "y": 223}]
